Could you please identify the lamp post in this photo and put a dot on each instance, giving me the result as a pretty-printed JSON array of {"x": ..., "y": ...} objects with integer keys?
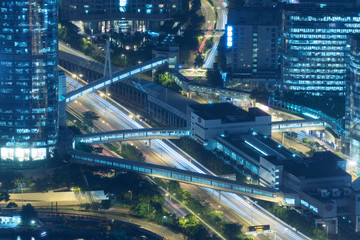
[
  {"x": 130, "y": 196},
  {"x": 327, "y": 230}
]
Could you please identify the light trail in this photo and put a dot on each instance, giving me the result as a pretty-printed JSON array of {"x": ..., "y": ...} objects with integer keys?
[{"x": 250, "y": 211}]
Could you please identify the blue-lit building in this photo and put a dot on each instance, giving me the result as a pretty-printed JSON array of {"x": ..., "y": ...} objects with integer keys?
[
  {"x": 353, "y": 108},
  {"x": 137, "y": 15},
  {"x": 314, "y": 49},
  {"x": 28, "y": 79}
]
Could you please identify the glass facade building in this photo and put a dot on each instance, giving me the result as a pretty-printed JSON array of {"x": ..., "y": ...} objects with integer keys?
[
  {"x": 353, "y": 108},
  {"x": 314, "y": 50},
  {"x": 28, "y": 79}
]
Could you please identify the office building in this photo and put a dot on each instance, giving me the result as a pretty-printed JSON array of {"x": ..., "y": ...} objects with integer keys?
[
  {"x": 136, "y": 15},
  {"x": 28, "y": 79},
  {"x": 353, "y": 108},
  {"x": 207, "y": 121},
  {"x": 253, "y": 43},
  {"x": 314, "y": 49}
]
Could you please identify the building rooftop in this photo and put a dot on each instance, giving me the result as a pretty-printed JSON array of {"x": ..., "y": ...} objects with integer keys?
[
  {"x": 258, "y": 146},
  {"x": 254, "y": 16},
  {"x": 321, "y": 164},
  {"x": 163, "y": 94},
  {"x": 227, "y": 112}
]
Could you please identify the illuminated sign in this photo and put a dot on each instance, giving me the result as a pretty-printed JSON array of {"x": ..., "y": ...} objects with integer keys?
[
  {"x": 259, "y": 228},
  {"x": 290, "y": 201},
  {"x": 229, "y": 34},
  {"x": 122, "y": 4}
]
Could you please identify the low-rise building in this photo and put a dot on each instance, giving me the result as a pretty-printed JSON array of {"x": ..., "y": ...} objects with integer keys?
[{"x": 207, "y": 121}]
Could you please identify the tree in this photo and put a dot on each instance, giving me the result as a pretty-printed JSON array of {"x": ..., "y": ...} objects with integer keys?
[
  {"x": 75, "y": 130},
  {"x": 231, "y": 230},
  {"x": 11, "y": 205},
  {"x": 199, "y": 61},
  {"x": 84, "y": 147},
  {"x": 4, "y": 196},
  {"x": 28, "y": 214},
  {"x": 89, "y": 117}
]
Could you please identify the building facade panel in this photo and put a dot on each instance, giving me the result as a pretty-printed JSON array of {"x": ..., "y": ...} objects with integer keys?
[
  {"x": 314, "y": 50},
  {"x": 28, "y": 78},
  {"x": 353, "y": 111}
]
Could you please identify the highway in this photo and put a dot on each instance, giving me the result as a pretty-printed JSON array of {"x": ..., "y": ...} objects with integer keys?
[
  {"x": 113, "y": 118},
  {"x": 220, "y": 8}
]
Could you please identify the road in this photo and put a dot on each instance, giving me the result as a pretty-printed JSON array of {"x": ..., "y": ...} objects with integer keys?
[
  {"x": 115, "y": 213},
  {"x": 221, "y": 21},
  {"x": 65, "y": 48},
  {"x": 163, "y": 152}
]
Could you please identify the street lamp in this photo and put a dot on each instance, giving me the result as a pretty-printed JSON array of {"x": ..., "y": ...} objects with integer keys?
[
  {"x": 327, "y": 230},
  {"x": 130, "y": 196},
  {"x": 168, "y": 195}
]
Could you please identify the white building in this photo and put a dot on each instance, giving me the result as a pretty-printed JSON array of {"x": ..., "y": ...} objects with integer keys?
[{"x": 207, "y": 121}]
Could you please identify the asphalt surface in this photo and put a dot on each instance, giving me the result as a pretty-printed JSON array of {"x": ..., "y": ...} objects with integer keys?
[
  {"x": 210, "y": 18},
  {"x": 162, "y": 153}
]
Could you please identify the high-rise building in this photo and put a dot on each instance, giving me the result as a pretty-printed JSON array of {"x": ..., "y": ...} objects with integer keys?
[
  {"x": 314, "y": 49},
  {"x": 253, "y": 43},
  {"x": 28, "y": 79},
  {"x": 138, "y": 15},
  {"x": 353, "y": 108}
]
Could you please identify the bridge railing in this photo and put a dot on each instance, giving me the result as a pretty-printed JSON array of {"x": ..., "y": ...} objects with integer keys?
[
  {"x": 331, "y": 122},
  {"x": 297, "y": 124},
  {"x": 133, "y": 134},
  {"x": 117, "y": 76},
  {"x": 195, "y": 178}
]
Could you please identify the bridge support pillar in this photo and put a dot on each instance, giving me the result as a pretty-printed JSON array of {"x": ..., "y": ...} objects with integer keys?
[
  {"x": 219, "y": 195},
  {"x": 120, "y": 147},
  {"x": 149, "y": 143},
  {"x": 282, "y": 138}
]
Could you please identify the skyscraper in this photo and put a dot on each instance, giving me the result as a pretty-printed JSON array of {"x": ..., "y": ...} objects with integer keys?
[
  {"x": 253, "y": 42},
  {"x": 353, "y": 108},
  {"x": 28, "y": 79},
  {"x": 137, "y": 15},
  {"x": 314, "y": 49}
]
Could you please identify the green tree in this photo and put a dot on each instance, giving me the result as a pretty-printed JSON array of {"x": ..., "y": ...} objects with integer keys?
[
  {"x": 231, "y": 230},
  {"x": 197, "y": 80},
  {"x": 4, "y": 196},
  {"x": 11, "y": 205},
  {"x": 199, "y": 61},
  {"x": 28, "y": 214},
  {"x": 75, "y": 130},
  {"x": 319, "y": 234},
  {"x": 89, "y": 117},
  {"x": 84, "y": 147},
  {"x": 132, "y": 153}
]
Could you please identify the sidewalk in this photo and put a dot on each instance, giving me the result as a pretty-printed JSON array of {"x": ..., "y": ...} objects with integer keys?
[{"x": 113, "y": 213}]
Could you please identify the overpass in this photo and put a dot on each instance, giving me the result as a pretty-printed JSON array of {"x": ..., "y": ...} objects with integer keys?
[
  {"x": 189, "y": 86},
  {"x": 298, "y": 125},
  {"x": 131, "y": 135},
  {"x": 169, "y": 173},
  {"x": 193, "y": 72},
  {"x": 88, "y": 68},
  {"x": 92, "y": 70},
  {"x": 314, "y": 114},
  {"x": 117, "y": 76}
]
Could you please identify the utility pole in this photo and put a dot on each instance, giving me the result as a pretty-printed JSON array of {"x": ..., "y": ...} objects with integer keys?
[
  {"x": 107, "y": 67},
  {"x": 107, "y": 64}
]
